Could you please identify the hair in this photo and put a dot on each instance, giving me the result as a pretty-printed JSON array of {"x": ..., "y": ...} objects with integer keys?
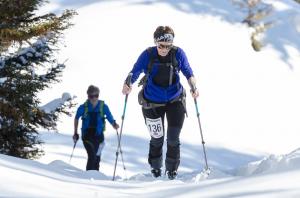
[
  {"x": 93, "y": 89},
  {"x": 161, "y": 30}
]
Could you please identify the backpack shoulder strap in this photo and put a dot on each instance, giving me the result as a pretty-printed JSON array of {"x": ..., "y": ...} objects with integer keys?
[
  {"x": 151, "y": 60},
  {"x": 101, "y": 112},
  {"x": 86, "y": 109},
  {"x": 101, "y": 109},
  {"x": 174, "y": 59},
  {"x": 143, "y": 81}
]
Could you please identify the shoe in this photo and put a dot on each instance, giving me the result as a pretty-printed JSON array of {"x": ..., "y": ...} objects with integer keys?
[
  {"x": 172, "y": 174},
  {"x": 156, "y": 172}
]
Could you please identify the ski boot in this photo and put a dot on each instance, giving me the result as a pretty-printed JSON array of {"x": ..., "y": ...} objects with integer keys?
[
  {"x": 156, "y": 172},
  {"x": 172, "y": 175}
]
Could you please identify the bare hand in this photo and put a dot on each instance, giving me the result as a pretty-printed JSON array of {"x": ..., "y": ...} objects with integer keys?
[
  {"x": 126, "y": 89},
  {"x": 195, "y": 94}
]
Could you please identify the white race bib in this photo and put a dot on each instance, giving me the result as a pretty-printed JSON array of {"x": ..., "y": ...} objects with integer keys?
[{"x": 155, "y": 127}]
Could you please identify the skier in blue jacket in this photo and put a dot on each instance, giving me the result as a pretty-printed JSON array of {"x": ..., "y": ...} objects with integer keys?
[
  {"x": 93, "y": 113},
  {"x": 163, "y": 95}
]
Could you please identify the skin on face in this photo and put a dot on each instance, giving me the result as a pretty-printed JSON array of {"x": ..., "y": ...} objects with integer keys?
[
  {"x": 94, "y": 100},
  {"x": 164, "y": 51}
]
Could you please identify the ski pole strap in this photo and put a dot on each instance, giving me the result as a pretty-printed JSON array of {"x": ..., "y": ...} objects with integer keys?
[
  {"x": 128, "y": 83},
  {"x": 192, "y": 84},
  {"x": 128, "y": 79}
]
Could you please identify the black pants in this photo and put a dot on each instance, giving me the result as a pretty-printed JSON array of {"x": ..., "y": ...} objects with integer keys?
[
  {"x": 175, "y": 113},
  {"x": 91, "y": 143}
]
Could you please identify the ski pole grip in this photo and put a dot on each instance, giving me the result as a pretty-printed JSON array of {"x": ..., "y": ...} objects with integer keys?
[{"x": 128, "y": 80}]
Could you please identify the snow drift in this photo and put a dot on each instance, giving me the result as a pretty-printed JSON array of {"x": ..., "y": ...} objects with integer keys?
[
  {"x": 272, "y": 164},
  {"x": 59, "y": 179}
]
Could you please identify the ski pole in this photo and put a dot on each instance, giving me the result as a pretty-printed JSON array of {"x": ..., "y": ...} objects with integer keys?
[
  {"x": 201, "y": 133},
  {"x": 120, "y": 137},
  {"x": 73, "y": 151},
  {"x": 128, "y": 82},
  {"x": 121, "y": 152},
  {"x": 193, "y": 89}
]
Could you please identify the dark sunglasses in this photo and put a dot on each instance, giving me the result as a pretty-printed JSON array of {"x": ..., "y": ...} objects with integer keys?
[
  {"x": 93, "y": 96},
  {"x": 162, "y": 46}
]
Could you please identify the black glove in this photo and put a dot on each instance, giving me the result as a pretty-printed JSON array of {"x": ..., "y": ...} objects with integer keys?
[{"x": 116, "y": 126}]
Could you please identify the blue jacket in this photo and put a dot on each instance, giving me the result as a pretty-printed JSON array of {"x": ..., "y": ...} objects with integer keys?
[
  {"x": 153, "y": 92},
  {"x": 86, "y": 120}
]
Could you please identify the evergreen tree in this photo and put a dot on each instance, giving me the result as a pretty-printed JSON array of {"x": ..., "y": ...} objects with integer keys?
[{"x": 28, "y": 45}]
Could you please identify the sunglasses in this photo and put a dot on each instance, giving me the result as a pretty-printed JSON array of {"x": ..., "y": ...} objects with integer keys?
[
  {"x": 94, "y": 96},
  {"x": 162, "y": 46}
]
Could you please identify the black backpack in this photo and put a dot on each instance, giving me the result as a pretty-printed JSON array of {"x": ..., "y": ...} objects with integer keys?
[{"x": 153, "y": 57}]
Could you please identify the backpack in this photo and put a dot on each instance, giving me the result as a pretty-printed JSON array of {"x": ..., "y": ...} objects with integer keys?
[
  {"x": 153, "y": 57},
  {"x": 101, "y": 112}
]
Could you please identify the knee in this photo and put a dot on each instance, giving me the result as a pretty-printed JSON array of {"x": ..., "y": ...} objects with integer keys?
[
  {"x": 173, "y": 143},
  {"x": 157, "y": 142}
]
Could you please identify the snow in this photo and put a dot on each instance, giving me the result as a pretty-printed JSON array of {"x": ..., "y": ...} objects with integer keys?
[
  {"x": 272, "y": 164},
  {"x": 2, "y": 63},
  {"x": 228, "y": 170},
  {"x": 60, "y": 179},
  {"x": 242, "y": 93},
  {"x": 249, "y": 104},
  {"x": 297, "y": 23},
  {"x": 23, "y": 60},
  {"x": 2, "y": 80},
  {"x": 28, "y": 52},
  {"x": 56, "y": 103}
]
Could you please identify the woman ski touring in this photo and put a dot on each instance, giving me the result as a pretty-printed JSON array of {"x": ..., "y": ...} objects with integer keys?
[
  {"x": 163, "y": 95},
  {"x": 93, "y": 113}
]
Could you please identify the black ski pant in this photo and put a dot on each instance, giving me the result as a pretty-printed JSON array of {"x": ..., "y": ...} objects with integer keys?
[
  {"x": 175, "y": 114},
  {"x": 91, "y": 143}
]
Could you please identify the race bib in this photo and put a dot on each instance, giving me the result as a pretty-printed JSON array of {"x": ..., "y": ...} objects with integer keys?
[{"x": 155, "y": 127}]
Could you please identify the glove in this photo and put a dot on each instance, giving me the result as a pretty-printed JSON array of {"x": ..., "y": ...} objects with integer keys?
[
  {"x": 75, "y": 137},
  {"x": 116, "y": 126}
]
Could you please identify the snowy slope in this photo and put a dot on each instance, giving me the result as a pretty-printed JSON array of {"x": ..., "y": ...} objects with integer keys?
[
  {"x": 247, "y": 98},
  {"x": 249, "y": 103},
  {"x": 24, "y": 178}
]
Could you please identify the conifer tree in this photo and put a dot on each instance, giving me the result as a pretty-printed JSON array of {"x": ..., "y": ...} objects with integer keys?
[{"x": 28, "y": 65}]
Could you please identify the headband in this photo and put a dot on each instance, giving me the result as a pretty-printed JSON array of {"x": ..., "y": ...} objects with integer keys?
[{"x": 165, "y": 38}]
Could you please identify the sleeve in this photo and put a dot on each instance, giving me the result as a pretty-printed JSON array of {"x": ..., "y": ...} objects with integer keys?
[
  {"x": 79, "y": 112},
  {"x": 184, "y": 64},
  {"x": 108, "y": 114},
  {"x": 140, "y": 65}
]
